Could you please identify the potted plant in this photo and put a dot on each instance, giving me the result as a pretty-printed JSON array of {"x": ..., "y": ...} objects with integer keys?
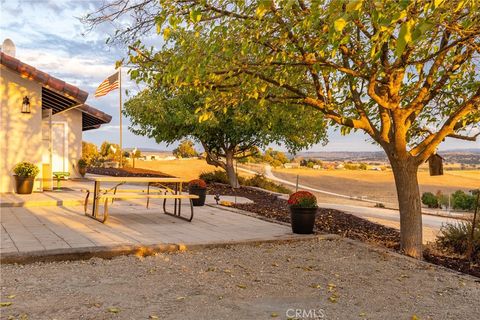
[
  {"x": 82, "y": 167},
  {"x": 198, "y": 187},
  {"x": 303, "y": 207},
  {"x": 25, "y": 173}
]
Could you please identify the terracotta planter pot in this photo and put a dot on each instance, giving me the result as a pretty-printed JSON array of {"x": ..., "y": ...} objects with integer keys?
[
  {"x": 82, "y": 171},
  {"x": 24, "y": 185},
  {"x": 303, "y": 219},
  {"x": 201, "y": 193}
]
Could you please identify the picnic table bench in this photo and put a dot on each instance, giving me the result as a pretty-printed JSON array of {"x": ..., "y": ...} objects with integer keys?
[{"x": 108, "y": 195}]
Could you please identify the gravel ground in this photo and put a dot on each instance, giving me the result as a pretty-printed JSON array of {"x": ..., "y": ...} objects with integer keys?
[{"x": 321, "y": 279}]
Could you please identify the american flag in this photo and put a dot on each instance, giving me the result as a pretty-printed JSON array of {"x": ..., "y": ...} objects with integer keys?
[{"x": 109, "y": 84}]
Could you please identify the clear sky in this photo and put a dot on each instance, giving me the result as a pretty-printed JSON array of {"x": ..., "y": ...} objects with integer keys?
[{"x": 49, "y": 36}]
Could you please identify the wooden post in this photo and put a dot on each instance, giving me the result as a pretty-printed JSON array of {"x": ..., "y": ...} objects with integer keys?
[
  {"x": 120, "y": 94},
  {"x": 472, "y": 234}
]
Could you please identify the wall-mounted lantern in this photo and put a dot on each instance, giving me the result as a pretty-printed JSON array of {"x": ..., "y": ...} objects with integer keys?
[{"x": 26, "y": 105}]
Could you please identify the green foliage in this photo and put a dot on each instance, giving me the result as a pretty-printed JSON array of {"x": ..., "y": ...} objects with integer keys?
[
  {"x": 218, "y": 176},
  {"x": 89, "y": 152},
  {"x": 463, "y": 201},
  {"x": 456, "y": 236},
  {"x": 310, "y": 163},
  {"x": 186, "y": 149},
  {"x": 275, "y": 158},
  {"x": 260, "y": 181},
  {"x": 243, "y": 127},
  {"x": 443, "y": 201},
  {"x": 226, "y": 134},
  {"x": 82, "y": 163},
  {"x": 110, "y": 151},
  {"x": 430, "y": 200},
  {"x": 26, "y": 170},
  {"x": 352, "y": 60}
]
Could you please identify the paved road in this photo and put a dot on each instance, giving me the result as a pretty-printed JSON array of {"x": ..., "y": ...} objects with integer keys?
[{"x": 434, "y": 222}]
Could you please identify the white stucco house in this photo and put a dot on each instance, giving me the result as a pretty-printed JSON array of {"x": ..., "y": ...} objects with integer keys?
[{"x": 41, "y": 121}]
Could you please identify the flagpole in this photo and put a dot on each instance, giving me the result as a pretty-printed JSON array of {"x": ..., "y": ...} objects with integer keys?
[{"x": 120, "y": 91}]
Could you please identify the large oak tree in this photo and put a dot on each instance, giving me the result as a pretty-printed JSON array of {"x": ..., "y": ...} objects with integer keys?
[{"x": 405, "y": 72}]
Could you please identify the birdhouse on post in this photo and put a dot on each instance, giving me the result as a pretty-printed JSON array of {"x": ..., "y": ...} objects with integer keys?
[{"x": 435, "y": 164}]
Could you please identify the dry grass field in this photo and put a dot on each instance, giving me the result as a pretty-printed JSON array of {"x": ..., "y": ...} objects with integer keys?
[
  {"x": 185, "y": 168},
  {"x": 373, "y": 185},
  {"x": 378, "y": 185}
]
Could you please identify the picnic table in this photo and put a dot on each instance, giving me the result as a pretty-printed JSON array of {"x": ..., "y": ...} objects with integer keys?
[{"x": 116, "y": 193}]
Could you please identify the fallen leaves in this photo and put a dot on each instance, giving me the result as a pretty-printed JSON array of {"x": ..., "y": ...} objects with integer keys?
[
  {"x": 333, "y": 298},
  {"x": 242, "y": 286},
  {"x": 332, "y": 288},
  {"x": 113, "y": 310},
  {"x": 5, "y": 304}
]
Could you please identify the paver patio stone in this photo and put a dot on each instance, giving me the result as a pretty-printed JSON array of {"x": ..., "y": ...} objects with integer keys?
[{"x": 36, "y": 229}]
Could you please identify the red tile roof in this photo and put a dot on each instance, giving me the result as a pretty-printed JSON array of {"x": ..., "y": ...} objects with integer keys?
[
  {"x": 43, "y": 78},
  {"x": 95, "y": 116}
]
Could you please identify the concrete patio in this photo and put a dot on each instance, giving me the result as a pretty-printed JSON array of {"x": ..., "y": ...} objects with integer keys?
[{"x": 53, "y": 224}]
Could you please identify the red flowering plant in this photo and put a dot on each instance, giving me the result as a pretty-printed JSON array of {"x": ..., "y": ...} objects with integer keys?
[
  {"x": 302, "y": 199},
  {"x": 197, "y": 183}
]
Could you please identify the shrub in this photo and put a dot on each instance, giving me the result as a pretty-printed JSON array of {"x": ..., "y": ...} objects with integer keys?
[
  {"x": 90, "y": 153},
  {"x": 260, "y": 181},
  {"x": 302, "y": 199},
  {"x": 197, "y": 183},
  {"x": 430, "y": 200},
  {"x": 309, "y": 163},
  {"x": 82, "y": 163},
  {"x": 350, "y": 166},
  {"x": 442, "y": 199},
  {"x": 463, "y": 201},
  {"x": 455, "y": 236},
  {"x": 26, "y": 170},
  {"x": 186, "y": 149},
  {"x": 218, "y": 176}
]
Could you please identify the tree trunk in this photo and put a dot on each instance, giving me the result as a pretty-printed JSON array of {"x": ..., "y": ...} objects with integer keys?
[
  {"x": 230, "y": 168},
  {"x": 409, "y": 202}
]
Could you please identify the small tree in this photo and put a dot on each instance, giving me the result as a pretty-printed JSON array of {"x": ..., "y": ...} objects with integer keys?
[
  {"x": 110, "y": 151},
  {"x": 275, "y": 158},
  {"x": 226, "y": 135},
  {"x": 430, "y": 200},
  {"x": 89, "y": 153},
  {"x": 186, "y": 149},
  {"x": 463, "y": 201}
]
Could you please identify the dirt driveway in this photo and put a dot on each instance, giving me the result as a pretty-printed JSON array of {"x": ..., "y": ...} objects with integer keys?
[{"x": 321, "y": 279}]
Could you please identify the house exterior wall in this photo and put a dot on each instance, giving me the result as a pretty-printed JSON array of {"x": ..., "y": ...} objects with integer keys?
[
  {"x": 20, "y": 133},
  {"x": 73, "y": 118}
]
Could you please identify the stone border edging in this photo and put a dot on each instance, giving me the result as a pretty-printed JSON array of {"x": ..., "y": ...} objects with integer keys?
[{"x": 109, "y": 252}]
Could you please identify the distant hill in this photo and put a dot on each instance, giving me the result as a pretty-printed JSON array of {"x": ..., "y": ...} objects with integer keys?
[{"x": 465, "y": 156}]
